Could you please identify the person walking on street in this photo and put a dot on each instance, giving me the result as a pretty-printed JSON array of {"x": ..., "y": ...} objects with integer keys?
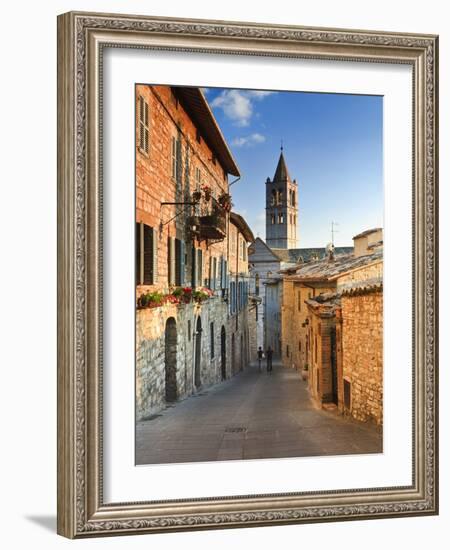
[
  {"x": 260, "y": 357},
  {"x": 269, "y": 355}
]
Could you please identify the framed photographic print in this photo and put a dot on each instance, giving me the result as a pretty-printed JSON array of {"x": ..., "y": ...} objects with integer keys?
[{"x": 247, "y": 288}]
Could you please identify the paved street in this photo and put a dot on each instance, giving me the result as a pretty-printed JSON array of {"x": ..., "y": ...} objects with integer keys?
[{"x": 253, "y": 415}]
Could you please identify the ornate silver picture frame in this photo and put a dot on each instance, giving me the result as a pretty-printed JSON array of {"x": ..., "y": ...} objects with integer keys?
[{"x": 82, "y": 510}]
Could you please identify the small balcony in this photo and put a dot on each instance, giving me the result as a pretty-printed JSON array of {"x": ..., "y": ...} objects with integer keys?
[{"x": 212, "y": 227}]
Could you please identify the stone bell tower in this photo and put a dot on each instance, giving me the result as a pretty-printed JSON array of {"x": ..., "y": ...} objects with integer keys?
[{"x": 281, "y": 208}]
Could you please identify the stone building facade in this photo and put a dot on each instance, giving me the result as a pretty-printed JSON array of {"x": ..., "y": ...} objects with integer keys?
[
  {"x": 361, "y": 321},
  {"x": 239, "y": 328},
  {"x": 362, "y": 352},
  {"x": 190, "y": 291},
  {"x": 294, "y": 315},
  {"x": 325, "y": 366},
  {"x": 264, "y": 265},
  {"x": 272, "y": 314},
  {"x": 332, "y": 325}
]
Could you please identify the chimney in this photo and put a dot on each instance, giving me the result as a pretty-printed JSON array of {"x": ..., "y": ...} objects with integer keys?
[{"x": 331, "y": 253}]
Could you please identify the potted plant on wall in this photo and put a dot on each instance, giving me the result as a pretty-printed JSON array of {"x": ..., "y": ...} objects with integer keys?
[
  {"x": 225, "y": 201},
  {"x": 196, "y": 196},
  {"x": 206, "y": 192}
]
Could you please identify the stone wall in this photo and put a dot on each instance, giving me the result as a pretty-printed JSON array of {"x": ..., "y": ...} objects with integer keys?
[
  {"x": 363, "y": 242},
  {"x": 151, "y": 350},
  {"x": 368, "y": 273},
  {"x": 322, "y": 323},
  {"x": 252, "y": 328},
  {"x": 362, "y": 350},
  {"x": 294, "y": 313}
]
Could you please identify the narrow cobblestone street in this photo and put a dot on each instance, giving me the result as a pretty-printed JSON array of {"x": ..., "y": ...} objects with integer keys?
[{"x": 251, "y": 416}]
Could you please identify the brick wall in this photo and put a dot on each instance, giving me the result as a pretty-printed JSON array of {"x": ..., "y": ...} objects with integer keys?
[{"x": 155, "y": 184}]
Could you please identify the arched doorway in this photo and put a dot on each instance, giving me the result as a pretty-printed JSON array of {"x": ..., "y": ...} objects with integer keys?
[
  {"x": 170, "y": 358},
  {"x": 223, "y": 352},
  {"x": 233, "y": 355},
  {"x": 198, "y": 352}
]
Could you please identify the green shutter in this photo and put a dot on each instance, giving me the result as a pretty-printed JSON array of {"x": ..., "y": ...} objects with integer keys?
[
  {"x": 200, "y": 267},
  {"x": 210, "y": 274},
  {"x": 178, "y": 161},
  {"x": 148, "y": 255},
  {"x": 138, "y": 253},
  {"x": 174, "y": 157},
  {"x": 182, "y": 262},
  {"x": 194, "y": 267},
  {"x": 214, "y": 273},
  {"x": 155, "y": 256},
  {"x": 171, "y": 259},
  {"x": 179, "y": 262}
]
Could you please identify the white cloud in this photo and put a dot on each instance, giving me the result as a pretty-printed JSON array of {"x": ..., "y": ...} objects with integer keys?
[
  {"x": 237, "y": 105},
  {"x": 248, "y": 141},
  {"x": 259, "y": 94}
]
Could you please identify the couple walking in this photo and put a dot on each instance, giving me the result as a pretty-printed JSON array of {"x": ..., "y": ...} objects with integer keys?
[{"x": 269, "y": 356}]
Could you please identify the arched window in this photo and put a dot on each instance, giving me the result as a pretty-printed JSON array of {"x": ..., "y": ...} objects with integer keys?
[
  {"x": 293, "y": 198},
  {"x": 273, "y": 198}
]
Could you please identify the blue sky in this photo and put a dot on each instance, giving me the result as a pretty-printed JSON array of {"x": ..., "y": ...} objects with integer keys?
[{"x": 332, "y": 147}]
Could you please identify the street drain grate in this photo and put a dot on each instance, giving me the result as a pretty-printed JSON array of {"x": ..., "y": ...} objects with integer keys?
[{"x": 235, "y": 429}]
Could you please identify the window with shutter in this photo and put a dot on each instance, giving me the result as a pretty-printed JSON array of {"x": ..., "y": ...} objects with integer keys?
[
  {"x": 171, "y": 255},
  {"x": 210, "y": 273},
  {"x": 182, "y": 262},
  {"x": 214, "y": 273},
  {"x": 147, "y": 269},
  {"x": 138, "y": 264},
  {"x": 198, "y": 179},
  {"x": 222, "y": 273},
  {"x": 200, "y": 267},
  {"x": 178, "y": 161},
  {"x": 194, "y": 267},
  {"x": 155, "y": 256},
  {"x": 174, "y": 157},
  {"x": 179, "y": 262},
  {"x": 143, "y": 125}
]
